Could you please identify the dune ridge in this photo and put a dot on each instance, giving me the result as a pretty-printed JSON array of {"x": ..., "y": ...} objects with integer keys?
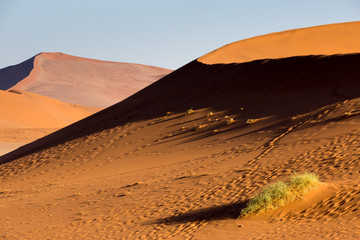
[
  {"x": 338, "y": 38},
  {"x": 82, "y": 81}
]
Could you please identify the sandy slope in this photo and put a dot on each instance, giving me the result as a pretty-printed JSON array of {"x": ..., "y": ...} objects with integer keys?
[
  {"x": 77, "y": 80},
  {"x": 29, "y": 110},
  {"x": 144, "y": 169},
  {"x": 25, "y": 117},
  {"x": 320, "y": 40}
]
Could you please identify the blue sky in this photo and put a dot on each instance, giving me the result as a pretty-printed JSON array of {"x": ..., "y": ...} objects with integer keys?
[{"x": 164, "y": 33}]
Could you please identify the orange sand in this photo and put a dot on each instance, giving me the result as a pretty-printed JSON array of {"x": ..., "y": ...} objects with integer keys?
[
  {"x": 145, "y": 169},
  {"x": 21, "y": 109},
  {"x": 25, "y": 117},
  {"x": 320, "y": 40}
]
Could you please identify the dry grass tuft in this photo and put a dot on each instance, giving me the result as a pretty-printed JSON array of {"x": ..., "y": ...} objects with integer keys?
[
  {"x": 190, "y": 111},
  {"x": 251, "y": 121},
  {"x": 229, "y": 121},
  {"x": 347, "y": 114},
  {"x": 278, "y": 194},
  {"x": 201, "y": 126}
]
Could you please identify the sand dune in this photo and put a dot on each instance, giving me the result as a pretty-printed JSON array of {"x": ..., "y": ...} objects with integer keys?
[
  {"x": 330, "y": 39},
  {"x": 25, "y": 117},
  {"x": 146, "y": 169},
  {"x": 29, "y": 110},
  {"x": 77, "y": 80}
]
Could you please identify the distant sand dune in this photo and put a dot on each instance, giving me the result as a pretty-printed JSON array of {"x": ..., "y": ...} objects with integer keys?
[{"x": 77, "y": 80}]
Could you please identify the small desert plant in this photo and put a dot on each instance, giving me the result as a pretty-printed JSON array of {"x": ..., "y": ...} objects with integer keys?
[
  {"x": 251, "y": 121},
  {"x": 278, "y": 194},
  {"x": 201, "y": 126},
  {"x": 229, "y": 121},
  {"x": 190, "y": 111},
  {"x": 347, "y": 114}
]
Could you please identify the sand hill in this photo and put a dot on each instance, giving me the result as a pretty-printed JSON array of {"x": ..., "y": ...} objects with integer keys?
[
  {"x": 149, "y": 168},
  {"x": 320, "y": 40},
  {"x": 25, "y": 117},
  {"x": 77, "y": 80}
]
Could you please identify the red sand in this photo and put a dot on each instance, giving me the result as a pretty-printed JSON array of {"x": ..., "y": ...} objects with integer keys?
[
  {"x": 320, "y": 40},
  {"x": 86, "y": 82}
]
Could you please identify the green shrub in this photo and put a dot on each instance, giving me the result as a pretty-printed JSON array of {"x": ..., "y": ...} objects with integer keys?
[{"x": 278, "y": 194}]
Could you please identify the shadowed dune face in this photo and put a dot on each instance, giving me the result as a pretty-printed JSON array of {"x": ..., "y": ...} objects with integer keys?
[
  {"x": 330, "y": 39},
  {"x": 11, "y": 75},
  {"x": 80, "y": 81}
]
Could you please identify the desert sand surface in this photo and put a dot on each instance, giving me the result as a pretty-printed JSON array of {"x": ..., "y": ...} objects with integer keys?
[
  {"x": 6, "y": 147},
  {"x": 77, "y": 80},
  {"x": 339, "y": 38},
  {"x": 25, "y": 117},
  {"x": 149, "y": 168}
]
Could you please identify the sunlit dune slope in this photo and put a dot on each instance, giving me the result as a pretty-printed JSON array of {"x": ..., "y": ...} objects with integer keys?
[
  {"x": 21, "y": 109},
  {"x": 77, "y": 80},
  {"x": 330, "y": 39},
  {"x": 25, "y": 117}
]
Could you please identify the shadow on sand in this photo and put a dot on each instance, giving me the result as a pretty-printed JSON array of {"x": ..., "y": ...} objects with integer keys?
[{"x": 229, "y": 211}]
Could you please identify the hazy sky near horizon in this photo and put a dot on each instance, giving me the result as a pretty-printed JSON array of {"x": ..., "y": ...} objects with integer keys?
[{"x": 164, "y": 33}]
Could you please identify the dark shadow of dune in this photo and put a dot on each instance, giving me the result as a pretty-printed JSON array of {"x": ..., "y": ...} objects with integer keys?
[
  {"x": 229, "y": 211},
  {"x": 273, "y": 87},
  {"x": 11, "y": 75}
]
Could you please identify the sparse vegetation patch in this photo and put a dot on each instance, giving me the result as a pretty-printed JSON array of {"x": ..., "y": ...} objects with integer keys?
[
  {"x": 190, "y": 111},
  {"x": 230, "y": 121},
  {"x": 280, "y": 193},
  {"x": 250, "y": 121},
  {"x": 347, "y": 114}
]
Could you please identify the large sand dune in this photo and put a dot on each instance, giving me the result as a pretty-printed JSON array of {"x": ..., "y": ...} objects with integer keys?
[
  {"x": 320, "y": 40},
  {"x": 146, "y": 169},
  {"x": 77, "y": 80}
]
